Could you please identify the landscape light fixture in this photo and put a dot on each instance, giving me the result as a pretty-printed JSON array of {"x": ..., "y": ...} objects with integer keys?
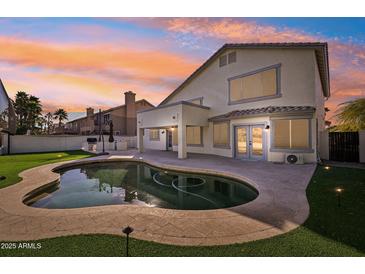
[
  {"x": 339, "y": 191},
  {"x": 326, "y": 167},
  {"x": 127, "y": 230}
]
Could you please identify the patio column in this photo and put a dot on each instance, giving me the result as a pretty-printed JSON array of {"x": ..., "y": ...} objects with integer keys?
[
  {"x": 181, "y": 134},
  {"x": 140, "y": 140}
]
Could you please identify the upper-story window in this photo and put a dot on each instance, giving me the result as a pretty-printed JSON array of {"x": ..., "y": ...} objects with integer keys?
[
  {"x": 232, "y": 57},
  {"x": 260, "y": 84},
  {"x": 106, "y": 118},
  {"x": 227, "y": 59}
]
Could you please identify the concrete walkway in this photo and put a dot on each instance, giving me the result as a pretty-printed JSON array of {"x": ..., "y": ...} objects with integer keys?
[{"x": 280, "y": 207}]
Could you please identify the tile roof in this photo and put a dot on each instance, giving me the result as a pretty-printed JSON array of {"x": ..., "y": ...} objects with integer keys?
[
  {"x": 236, "y": 114},
  {"x": 321, "y": 53}
]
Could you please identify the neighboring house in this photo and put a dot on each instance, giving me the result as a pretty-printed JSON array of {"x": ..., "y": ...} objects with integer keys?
[
  {"x": 247, "y": 101},
  {"x": 123, "y": 118},
  {"x": 7, "y": 119}
]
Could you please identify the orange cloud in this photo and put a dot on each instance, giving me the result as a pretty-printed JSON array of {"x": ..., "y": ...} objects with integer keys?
[
  {"x": 96, "y": 74},
  {"x": 94, "y": 57}
]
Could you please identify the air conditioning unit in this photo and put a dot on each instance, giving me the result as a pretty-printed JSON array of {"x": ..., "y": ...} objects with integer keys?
[{"x": 294, "y": 158}]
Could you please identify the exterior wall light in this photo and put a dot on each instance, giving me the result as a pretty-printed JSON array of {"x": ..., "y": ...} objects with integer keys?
[{"x": 267, "y": 127}]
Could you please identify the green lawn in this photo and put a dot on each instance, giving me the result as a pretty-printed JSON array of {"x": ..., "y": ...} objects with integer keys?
[
  {"x": 11, "y": 165},
  {"x": 329, "y": 231}
]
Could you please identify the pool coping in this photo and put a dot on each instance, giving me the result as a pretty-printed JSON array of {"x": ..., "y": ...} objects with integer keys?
[{"x": 264, "y": 217}]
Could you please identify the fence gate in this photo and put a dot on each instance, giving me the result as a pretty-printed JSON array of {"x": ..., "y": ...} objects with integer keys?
[{"x": 344, "y": 146}]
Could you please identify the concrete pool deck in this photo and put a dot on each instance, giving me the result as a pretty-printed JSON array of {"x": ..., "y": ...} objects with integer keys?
[{"x": 280, "y": 207}]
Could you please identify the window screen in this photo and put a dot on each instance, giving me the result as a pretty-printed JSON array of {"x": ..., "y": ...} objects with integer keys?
[
  {"x": 174, "y": 137},
  {"x": 221, "y": 134},
  {"x": 154, "y": 134},
  {"x": 232, "y": 57},
  {"x": 223, "y": 60},
  {"x": 291, "y": 134},
  {"x": 193, "y": 136},
  {"x": 260, "y": 84}
]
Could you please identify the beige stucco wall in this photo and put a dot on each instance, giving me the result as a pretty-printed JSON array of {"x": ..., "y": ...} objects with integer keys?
[
  {"x": 300, "y": 85},
  {"x": 26, "y": 144},
  {"x": 324, "y": 149},
  {"x": 163, "y": 117},
  {"x": 297, "y": 79},
  {"x": 208, "y": 147},
  {"x": 168, "y": 117},
  {"x": 155, "y": 144}
]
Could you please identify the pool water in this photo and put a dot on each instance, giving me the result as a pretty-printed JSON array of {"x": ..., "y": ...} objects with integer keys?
[{"x": 131, "y": 183}]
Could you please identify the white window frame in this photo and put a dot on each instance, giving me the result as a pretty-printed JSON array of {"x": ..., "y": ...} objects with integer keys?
[{"x": 154, "y": 139}]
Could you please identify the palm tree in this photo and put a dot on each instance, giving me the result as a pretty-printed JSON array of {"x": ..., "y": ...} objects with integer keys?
[
  {"x": 351, "y": 116},
  {"x": 60, "y": 115},
  {"x": 49, "y": 123}
]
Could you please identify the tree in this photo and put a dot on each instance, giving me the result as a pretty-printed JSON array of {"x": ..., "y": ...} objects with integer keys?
[
  {"x": 28, "y": 109},
  {"x": 34, "y": 112},
  {"x": 351, "y": 116},
  {"x": 60, "y": 115},
  {"x": 42, "y": 124},
  {"x": 49, "y": 122}
]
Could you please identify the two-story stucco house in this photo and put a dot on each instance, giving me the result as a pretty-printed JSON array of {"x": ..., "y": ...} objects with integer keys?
[
  {"x": 248, "y": 101},
  {"x": 123, "y": 118}
]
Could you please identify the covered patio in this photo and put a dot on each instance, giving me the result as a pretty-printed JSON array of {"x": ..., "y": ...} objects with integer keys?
[{"x": 178, "y": 116}]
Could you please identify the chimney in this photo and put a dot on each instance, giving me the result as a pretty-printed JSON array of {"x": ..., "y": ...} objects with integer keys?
[
  {"x": 130, "y": 113},
  {"x": 89, "y": 112}
]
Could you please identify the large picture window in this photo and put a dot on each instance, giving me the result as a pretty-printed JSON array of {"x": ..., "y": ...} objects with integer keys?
[
  {"x": 193, "y": 136},
  {"x": 221, "y": 134},
  {"x": 154, "y": 134},
  {"x": 291, "y": 134},
  {"x": 259, "y": 84}
]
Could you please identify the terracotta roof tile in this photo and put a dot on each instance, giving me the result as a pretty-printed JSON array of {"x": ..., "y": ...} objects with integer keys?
[{"x": 265, "y": 110}]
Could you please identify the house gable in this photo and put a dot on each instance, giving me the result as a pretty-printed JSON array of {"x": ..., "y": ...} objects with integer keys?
[{"x": 320, "y": 50}]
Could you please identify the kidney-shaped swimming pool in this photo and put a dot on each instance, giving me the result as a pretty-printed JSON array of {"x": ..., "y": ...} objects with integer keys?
[{"x": 136, "y": 183}]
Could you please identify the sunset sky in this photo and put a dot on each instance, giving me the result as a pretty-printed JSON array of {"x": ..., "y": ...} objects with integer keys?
[{"x": 74, "y": 63}]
